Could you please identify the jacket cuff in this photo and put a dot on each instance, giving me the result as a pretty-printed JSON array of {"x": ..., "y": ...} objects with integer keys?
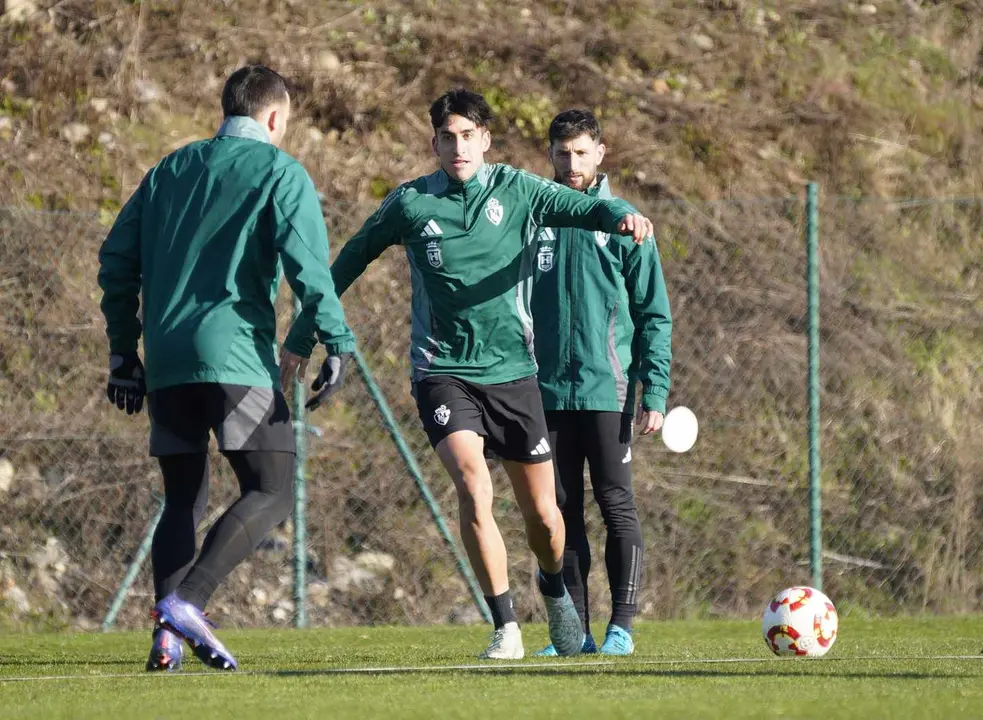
[
  {"x": 299, "y": 344},
  {"x": 123, "y": 344},
  {"x": 654, "y": 399},
  {"x": 340, "y": 347},
  {"x": 615, "y": 210}
]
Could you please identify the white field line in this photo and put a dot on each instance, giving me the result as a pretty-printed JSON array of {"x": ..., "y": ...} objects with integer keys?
[{"x": 486, "y": 667}]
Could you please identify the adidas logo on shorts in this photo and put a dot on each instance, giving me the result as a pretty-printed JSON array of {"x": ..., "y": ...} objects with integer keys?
[{"x": 541, "y": 449}]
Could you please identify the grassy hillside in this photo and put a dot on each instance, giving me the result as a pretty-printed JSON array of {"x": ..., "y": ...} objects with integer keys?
[
  {"x": 702, "y": 99},
  {"x": 716, "y": 114}
]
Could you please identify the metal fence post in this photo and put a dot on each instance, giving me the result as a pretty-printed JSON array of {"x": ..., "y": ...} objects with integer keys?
[
  {"x": 133, "y": 570},
  {"x": 300, "y": 497},
  {"x": 815, "y": 480},
  {"x": 414, "y": 469}
]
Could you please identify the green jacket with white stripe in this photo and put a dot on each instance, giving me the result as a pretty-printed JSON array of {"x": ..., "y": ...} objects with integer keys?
[
  {"x": 471, "y": 251},
  {"x": 202, "y": 243},
  {"x": 602, "y": 319}
]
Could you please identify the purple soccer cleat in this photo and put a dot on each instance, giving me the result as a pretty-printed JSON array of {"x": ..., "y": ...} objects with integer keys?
[
  {"x": 184, "y": 619},
  {"x": 167, "y": 651}
]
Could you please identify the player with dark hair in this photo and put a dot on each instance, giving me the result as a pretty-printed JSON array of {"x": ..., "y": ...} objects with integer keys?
[
  {"x": 467, "y": 231},
  {"x": 202, "y": 241},
  {"x": 602, "y": 312}
]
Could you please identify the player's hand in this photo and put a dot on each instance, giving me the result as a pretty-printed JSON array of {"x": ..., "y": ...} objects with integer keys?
[
  {"x": 638, "y": 226},
  {"x": 649, "y": 420},
  {"x": 329, "y": 379},
  {"x": 291, "y": 365},
  {"x": 127, "y": 382}
]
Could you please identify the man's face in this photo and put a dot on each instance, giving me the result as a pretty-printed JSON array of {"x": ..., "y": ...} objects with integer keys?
[
  {"x": 277, "y": 116},
  {"x": 575, "y": 161},
  {"x": 461, "y": 146}
]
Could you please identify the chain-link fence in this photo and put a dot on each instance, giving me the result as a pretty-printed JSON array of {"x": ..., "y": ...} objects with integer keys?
[
  {"x": 726, "y": 524},
  {"x": 902, "y": 359}
]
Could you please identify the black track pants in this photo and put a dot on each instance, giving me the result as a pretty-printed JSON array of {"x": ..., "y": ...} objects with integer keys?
[
  {"x": 603, "y": 440},
  {"x": 265, "y": 483}
]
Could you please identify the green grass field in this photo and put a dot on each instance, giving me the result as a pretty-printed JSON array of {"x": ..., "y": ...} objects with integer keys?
[{"x": 899, "y": 668}]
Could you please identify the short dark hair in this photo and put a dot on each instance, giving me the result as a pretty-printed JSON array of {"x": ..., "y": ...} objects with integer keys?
[
  {"x": 465, "y": 103},
  {"x": 251, "y": 89},
  {"x": 571, "y": 124}
]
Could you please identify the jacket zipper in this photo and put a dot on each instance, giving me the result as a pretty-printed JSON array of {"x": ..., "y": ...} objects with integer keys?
[{"x": 570, "y": 300}]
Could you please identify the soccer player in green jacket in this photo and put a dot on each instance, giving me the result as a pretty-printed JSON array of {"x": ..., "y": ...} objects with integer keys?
[
  {"x": 602, "y": 324},
  {"x": 468, "y": 233},
  {"x": 200, "y": 245}
]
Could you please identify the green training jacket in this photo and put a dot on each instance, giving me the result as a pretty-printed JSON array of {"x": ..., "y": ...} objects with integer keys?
[
  {"x": 205, "y": 238},
  {"x": 471, "y": 251},
  {"x": 602, "y": 319}
]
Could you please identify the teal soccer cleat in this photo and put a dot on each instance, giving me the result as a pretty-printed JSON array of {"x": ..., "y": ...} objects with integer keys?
[
  {"x": 566, "y": 632},
  {"x": 617, "y": 642},
  {"x": 589, "y": 648}
]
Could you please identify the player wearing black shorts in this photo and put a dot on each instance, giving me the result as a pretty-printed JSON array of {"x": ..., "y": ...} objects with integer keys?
[
  {"x": 467, "y": 232},
  {"x": 201, "y": 243},
  {"x": 508, "y": 415}
]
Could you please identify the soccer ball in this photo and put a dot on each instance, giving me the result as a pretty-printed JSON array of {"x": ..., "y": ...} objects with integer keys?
[{"x": 800, "y": 622}]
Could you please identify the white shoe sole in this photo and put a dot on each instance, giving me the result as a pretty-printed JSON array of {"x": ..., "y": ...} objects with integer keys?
[
  {"x": 511, "y": 651},
  {"x": 503, "y": 656}
]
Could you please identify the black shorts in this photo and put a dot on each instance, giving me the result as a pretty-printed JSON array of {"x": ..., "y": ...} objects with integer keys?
[
  {"x": 509, "y": 416},
  {"x": 242, "y": 418}
]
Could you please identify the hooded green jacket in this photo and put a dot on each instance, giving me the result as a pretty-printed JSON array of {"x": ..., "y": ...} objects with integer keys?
[
  {"x": 471, "y": 251},
  {"x": 602, "y": 319},
  {"x": 204, "y": 239}
]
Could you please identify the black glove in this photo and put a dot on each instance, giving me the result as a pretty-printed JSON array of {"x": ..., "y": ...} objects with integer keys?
[
  {"x": 126, "y": 382},
  {"x": 331, "y": 376}
]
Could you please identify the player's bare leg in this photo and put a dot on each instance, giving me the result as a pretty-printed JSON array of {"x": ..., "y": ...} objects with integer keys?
[
  {"x": 535, "y": 493},
  {"x": 462, "y": 454}
]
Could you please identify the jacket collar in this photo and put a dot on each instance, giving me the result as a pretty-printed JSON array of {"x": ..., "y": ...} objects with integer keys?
[
  {"x": 600, "y": 189},
  {"x": 241, "y": 126},
  {"x": 479, "y": 179}
]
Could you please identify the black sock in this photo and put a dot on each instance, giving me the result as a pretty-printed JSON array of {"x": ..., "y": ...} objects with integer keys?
[
  {"x": 622, "y": 615},
  {"x": 197, "y": 588},
  {"x": 502, "y": 610},
  {"x": 551, "y": 584}
]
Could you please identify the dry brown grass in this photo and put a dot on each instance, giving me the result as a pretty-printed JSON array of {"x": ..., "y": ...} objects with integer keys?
[{"x": 882, "y": 104}]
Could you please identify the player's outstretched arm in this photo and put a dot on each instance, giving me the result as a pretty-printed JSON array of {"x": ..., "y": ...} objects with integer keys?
[
  {"x": 637, "y": 226},
  {"x": 302, "y": 243},
  {"x": 554, "y": 205},
  {"x": 383, "y": 228},
  {"x": 120, "y": 280}
]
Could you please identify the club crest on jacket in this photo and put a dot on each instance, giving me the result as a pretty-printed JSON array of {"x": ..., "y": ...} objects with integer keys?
[
  {"x": 494, "y": 211},
  {"x": 433, "y": 254}
]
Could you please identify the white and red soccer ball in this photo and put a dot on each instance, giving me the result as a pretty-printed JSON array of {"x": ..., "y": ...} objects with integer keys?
[{"x": 800, "y": 621}]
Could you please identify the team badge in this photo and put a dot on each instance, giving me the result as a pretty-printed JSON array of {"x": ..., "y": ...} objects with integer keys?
[
  {"x": 544, "y": 258},
  {"x": 601, "y": 238},
  {"x": 494, "y": 211},
  {"x": 433, "y": 254},
  {"x": 441, "y": 415}
]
